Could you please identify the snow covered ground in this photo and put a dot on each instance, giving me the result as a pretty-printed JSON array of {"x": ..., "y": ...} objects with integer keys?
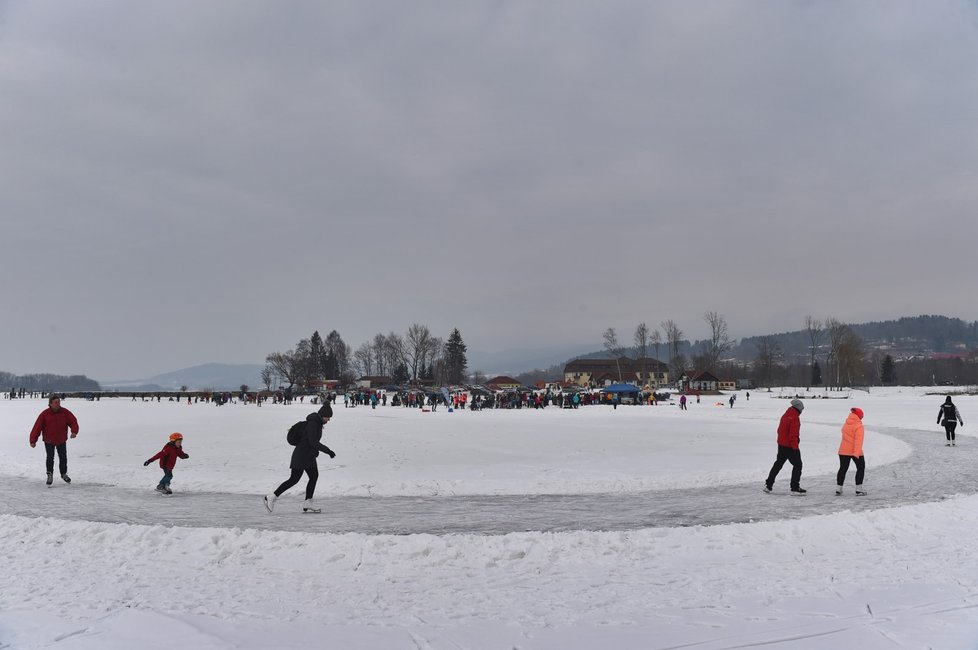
[{"x": 893, "y": 577}]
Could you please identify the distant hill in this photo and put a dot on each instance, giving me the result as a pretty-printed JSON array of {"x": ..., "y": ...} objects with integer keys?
[
  {"x": 910, "y": 336},
  {"x": 217, "y": 376}
]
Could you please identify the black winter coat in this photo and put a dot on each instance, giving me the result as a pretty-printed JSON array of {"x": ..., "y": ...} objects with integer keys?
[{"x": 304, "y": 454}]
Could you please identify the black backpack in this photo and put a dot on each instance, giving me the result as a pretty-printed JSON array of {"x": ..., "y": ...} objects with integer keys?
[{"x": 296, "y": 431}]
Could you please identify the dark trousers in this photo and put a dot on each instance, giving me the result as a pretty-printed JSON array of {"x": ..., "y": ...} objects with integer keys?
[
  {"x": 844, "y": 467},
  {"x": 62, "y": 457},
  {"x": 313, "y": 473},
  {"x": 792, "y": 456},
  {"x": 949, "y": 427}
]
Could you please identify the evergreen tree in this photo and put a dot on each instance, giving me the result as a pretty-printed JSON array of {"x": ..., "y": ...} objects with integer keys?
[
  {"x": 401, "y": 374},
  {"x": 888, "y": 371},
  {"x": 317, "y": 353},
  {"x": 455, "y": 360}
]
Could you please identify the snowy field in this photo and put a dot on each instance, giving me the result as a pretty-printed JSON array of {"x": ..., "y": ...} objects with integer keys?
[{"x": 899, "y": 577}]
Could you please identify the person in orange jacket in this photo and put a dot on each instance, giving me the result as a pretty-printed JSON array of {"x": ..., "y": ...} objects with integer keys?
[{"x": 851, "y": 450}]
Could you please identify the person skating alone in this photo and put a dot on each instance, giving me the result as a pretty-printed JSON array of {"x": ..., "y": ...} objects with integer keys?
[
  {"x": 950, "y": 416},
  {"x": 168, "y": 460},
  {"x": 789, "y": 435},
  {"x": 851, "y": 451},
  {"x": 304, "y": 459},
  {"x": 52, "y": 426}
]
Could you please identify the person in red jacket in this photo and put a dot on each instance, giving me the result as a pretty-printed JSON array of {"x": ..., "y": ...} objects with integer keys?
[
  {"x": 52, "y": 426},
  {"x": 788, "y": 448},
  {"x": 168, "y": 460}
]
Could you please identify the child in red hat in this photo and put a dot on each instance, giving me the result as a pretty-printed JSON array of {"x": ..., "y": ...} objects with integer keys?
[{"x": 168, "y": 460}]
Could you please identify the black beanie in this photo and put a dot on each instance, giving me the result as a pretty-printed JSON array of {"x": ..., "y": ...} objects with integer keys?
[{"x": 326, "y": 411}]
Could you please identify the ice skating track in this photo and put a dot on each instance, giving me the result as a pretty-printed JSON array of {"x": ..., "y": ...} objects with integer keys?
[{"x": 932, "y": 472}]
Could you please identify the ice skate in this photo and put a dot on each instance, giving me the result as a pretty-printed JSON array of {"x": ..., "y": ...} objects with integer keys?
[
  {"x": 799, "y": 491},
  {"x": 838, "y": 491},
  {"x": 50, "y": 479},
  {"x": 66, "y": 478},
  {"x": 309, "y": 507},
  {"x": 160, "y": 488},
  {"x": 270, "y": 501},
  {"x": 860, "y": 492}
]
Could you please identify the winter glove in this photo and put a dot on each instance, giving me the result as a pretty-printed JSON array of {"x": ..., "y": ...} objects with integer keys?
[
  {"x": 146, "y": 464},
  {"x": 332, "y": 454}
]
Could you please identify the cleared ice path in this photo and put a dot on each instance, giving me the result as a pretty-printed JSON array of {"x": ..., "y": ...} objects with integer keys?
[{"x": 932, "y": 472}]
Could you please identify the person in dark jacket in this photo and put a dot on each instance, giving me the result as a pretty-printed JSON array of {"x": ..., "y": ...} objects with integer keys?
[
  {"x": 789, "y": 436},
  {"x": 304, "y": 459},
  {"x": 950, "y": 416},
  {"x": 52, "y": 426},
  {"x": 168, "y": 460}
]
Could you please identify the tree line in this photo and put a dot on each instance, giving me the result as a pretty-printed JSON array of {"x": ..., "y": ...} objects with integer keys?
[
  {"x": 48, "y": 382},
  {"x": 415, "y": 355}
]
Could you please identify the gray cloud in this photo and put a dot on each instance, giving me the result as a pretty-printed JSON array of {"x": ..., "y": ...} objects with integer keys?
[{"x": 185, "y": 183}]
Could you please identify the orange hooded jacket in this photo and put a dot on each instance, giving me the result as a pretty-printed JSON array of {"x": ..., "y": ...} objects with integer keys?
[{"x": 852, "y": 437}]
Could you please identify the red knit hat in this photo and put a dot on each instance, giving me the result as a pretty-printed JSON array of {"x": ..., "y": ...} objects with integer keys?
[{"x": 859, "y": 412}]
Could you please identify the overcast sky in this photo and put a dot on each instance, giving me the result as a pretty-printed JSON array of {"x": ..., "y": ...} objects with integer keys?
[{"x": 185, "y": 182}]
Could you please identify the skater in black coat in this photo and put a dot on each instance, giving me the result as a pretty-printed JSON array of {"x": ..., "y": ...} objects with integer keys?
[
  {"x": 304, "y": 459},
  {"x": 950, "y": 416}
]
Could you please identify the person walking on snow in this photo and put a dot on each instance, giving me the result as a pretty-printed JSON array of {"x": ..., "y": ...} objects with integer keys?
[
  {"x": 52, "y": 426},
  {"x": 304, "y": 459},
  {"x": 949, "y": 413},
  {"x": 789, "y": 436},
  {"x": 168, "y": 460},
  {"x": 851, "y": 450}
]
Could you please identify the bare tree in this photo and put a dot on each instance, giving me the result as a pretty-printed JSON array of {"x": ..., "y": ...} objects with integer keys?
[
  {"x": 846, "y": 352},
  {"x": 768, "y": 357},
  {"x": 719, "y": 342},
  {"x": 267, "y": 376},
  {"x": 815, "y": 335},
  {"x": 435, "y": 359},
  {"x": 642, "y": 346},
  {"x": 674, "y": 337},
  {"x": 304, "y": 362},
  {"x": 379, "y": 345},
  {"x": 656, "y": 340},
  {"x": 613, "y": 347},
  {"x": 417, "y": 344},
  {"x": 363, "y": 360},
  {"x": 394, "y": 354},
  {"x": 285, "y": 366}
]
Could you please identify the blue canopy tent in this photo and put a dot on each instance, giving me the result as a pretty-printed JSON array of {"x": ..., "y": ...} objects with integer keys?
[{"x": 621, "y": 389}]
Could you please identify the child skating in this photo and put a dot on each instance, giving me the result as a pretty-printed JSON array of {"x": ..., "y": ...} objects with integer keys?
[{"x": 168, "y": 460}]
